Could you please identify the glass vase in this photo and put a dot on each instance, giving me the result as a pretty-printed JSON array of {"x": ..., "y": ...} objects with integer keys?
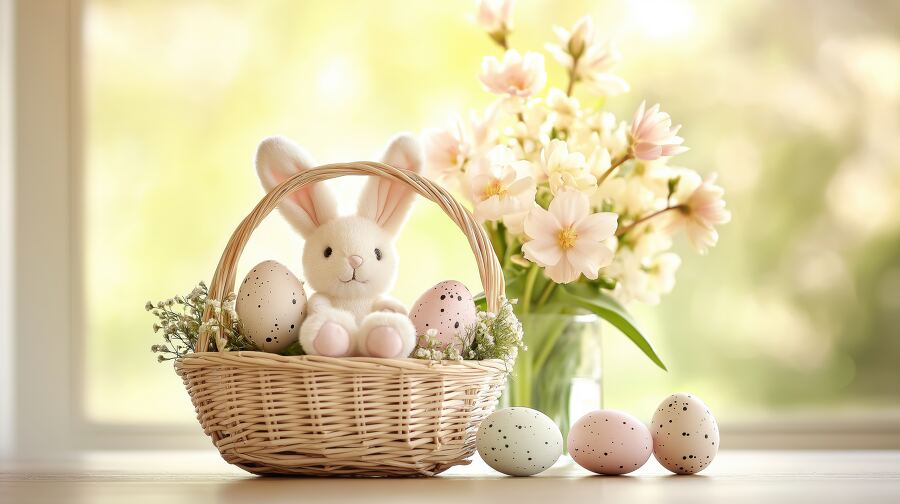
[{"x": 561, "y": 372}]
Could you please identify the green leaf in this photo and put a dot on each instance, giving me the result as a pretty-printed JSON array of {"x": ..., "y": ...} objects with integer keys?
[
  {"x": 613, "y": 312},
  {"x": 513, "y": 291},
  {"x": 480, "y": 301}
]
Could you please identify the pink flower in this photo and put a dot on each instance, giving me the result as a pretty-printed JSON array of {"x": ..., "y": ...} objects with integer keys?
[
  {"x": 448, "y": 150},
  {"x": 700, "y": 213},
  {"x": 445, "y": 152},
  {"x": 567, "y": 240},
  {"x": 515, "y": 76},
  {"x": 494, "y": 16},
  {"x": 653, "y": 136}
]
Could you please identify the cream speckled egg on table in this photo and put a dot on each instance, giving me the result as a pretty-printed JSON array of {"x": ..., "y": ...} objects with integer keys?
[
  {"x": 519, "y": 441},
  {"x": 448, "y": 308},
  {"x": 610, "y": 442},
  {"x": 271, "y": 304},
  {"x": 685, "y": 434}
]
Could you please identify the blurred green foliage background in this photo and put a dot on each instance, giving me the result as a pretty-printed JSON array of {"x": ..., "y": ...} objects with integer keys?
[{"x": 795, "y": 104}]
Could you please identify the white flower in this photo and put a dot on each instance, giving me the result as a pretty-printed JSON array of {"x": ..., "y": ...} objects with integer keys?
[
  {"x": 605, "y": 84},
  {"x": 599, "y": 162},
  {"x": 565, "y": 109},
  {"x": 501, "y": 188},
  {"x": 655, "y": 176},
  {"x": 661, "y": 275},
  {"x": 588, "y": 58},
  {"x": 229, "y": 305},
  {"x": 627, "y": 196},
  {"x": 453, "y": 353},
  {"x": 651, "y": 242},
  {"x": 601, "y": 128},
  {"x": 567, "y": 239},
  {"x": 532, "y": 130},
  {"x": 494, "y": 16},
  {"x": 631, "y": 279},
  {"x": 516, "y": 76},
  {"x": 564, "y": 169}
]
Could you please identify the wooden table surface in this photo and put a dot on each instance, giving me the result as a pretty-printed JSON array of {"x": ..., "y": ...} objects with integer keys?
[{"x": 761, "y": 477}]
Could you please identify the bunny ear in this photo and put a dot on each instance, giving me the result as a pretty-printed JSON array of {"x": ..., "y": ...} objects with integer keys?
[
  {"x": 307, "y": 208},
  {"x": 386, "y": 202}
]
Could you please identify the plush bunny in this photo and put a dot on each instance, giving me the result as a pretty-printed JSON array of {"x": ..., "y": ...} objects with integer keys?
[{"x": 350, "y": 261}]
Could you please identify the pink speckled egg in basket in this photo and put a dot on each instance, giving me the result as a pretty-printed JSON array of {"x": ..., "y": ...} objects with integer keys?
[
  {"x": 448, "y": 308},
  {"x": 610, "y": 442}
]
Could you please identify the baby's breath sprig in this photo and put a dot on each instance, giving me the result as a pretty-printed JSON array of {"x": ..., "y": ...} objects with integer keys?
[
  {"x": 493, "y": 336},
  {"x": 181, "y": 321}
]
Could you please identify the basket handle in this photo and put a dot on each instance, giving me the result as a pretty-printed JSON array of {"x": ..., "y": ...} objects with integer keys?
[{"x": 488, "y": 266}]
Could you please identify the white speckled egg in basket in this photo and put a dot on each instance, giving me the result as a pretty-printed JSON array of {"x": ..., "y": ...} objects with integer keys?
[
  {"x": 685, "y": 434},
  {"x": 519, "y": 441},
  {"x": 448, "y": 308},
  {"x": 610, "y": 442},
  {"x": 271, "y": 304}
]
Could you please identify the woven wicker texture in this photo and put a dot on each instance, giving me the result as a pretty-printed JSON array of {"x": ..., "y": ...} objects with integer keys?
[{"x": 358, "y": 416}]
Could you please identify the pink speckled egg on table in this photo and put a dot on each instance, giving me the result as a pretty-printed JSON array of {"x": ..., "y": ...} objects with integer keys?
[
  {"x": 610, "y": 442},
  {"x": 448, "y": 308}
]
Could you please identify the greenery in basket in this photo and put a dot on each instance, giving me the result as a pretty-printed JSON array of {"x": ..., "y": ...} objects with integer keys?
[
  {"x": 181, "y": 322},
  {"x": 493, "y": 336},
  {"x": 581, "y": 207}
]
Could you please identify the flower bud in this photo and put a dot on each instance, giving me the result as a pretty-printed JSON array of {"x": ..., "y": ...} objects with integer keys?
[{"x": 582, "y": 33}]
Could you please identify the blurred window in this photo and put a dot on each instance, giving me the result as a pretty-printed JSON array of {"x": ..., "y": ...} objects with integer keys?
[{"x": 796, "y": 311}]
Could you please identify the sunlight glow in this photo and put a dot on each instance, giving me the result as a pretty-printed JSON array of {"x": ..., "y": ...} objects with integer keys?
[
  {"x": 337, "y": 82},
  {"x": 662, "y": 19}
]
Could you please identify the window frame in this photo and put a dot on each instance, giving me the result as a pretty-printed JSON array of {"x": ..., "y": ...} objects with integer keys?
[
  {"x": 41, "y": 401},
  {"x": 6, "y": 227}
]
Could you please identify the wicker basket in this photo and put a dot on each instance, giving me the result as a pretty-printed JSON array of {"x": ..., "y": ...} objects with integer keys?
[{"x": 357, "y": 416}]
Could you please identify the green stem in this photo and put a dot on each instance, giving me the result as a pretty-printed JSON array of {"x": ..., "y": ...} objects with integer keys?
[
  {"x": 545, "y": 294},
  {"x": 572, "y": 76},
  {"x": 647, "y": 217},
  {"x": 615, "y": 164},
  {"x": 550, "y": 342},
  {"x": 529, "y": 288},
  {"x": 506, "y": 257},
  {"x": 496, "y": 238},
  {"x": 501, "y": 37}
]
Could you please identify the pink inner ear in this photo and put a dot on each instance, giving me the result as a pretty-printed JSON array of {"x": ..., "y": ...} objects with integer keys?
[
  {"x": 390, "y": 195},
  {"x": 302, "y": 196}
]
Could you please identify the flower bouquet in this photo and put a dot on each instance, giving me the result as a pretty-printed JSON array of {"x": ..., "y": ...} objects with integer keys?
[{"x": 581, "y": 207}]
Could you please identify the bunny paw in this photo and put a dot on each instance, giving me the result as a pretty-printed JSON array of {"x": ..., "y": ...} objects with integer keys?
[
  {"x": 332, "y": 340},
  {"x": 384, "y": 341},
  {"x": 386, "y": 335},
  {"x": 328, "y": 332}
]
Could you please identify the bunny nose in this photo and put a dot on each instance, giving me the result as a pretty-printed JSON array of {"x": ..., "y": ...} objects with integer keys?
[{"x": 355, "y": 261}]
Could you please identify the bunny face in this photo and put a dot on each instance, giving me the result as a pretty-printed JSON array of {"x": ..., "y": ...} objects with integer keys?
[{"x": 350, "y": 257}]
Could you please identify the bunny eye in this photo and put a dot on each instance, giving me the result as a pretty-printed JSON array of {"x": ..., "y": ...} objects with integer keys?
[
  {"x": 378, "y": 254},
  {"x": 328, "y": 251}
]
